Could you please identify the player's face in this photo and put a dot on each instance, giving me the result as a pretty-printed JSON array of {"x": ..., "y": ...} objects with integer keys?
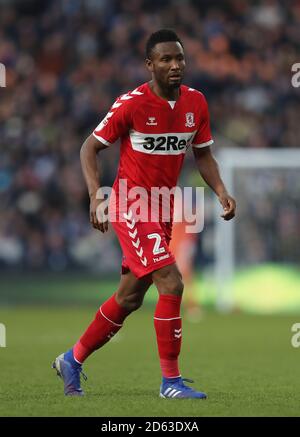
[{"x": 167, "y": 64}]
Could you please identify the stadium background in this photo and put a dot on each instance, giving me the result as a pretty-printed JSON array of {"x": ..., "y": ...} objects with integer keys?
[{"x": 66, "y": 62}]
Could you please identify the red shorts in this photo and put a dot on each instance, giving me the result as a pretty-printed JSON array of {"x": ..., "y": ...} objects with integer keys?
[{"x": 145, "y": 245}]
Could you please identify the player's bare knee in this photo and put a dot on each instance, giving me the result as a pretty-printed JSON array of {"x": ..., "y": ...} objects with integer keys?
[
  {"x": 174, "y": 286},
  {"x": 170, "y": 283}
]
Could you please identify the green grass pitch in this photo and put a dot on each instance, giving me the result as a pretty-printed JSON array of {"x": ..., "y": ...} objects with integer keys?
[{"x": 245, "y": 363}]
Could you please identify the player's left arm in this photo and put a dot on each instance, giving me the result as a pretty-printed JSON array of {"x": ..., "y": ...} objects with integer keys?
[{"x": 209, "y": 170}]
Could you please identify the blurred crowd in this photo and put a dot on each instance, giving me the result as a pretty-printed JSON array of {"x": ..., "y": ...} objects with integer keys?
[
  {"x": 269, "y": 210},
  {"x": 67, "y": 61}
]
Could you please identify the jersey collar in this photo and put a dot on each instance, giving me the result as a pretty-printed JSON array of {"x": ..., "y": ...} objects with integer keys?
[{"x": 164, "y": 101}]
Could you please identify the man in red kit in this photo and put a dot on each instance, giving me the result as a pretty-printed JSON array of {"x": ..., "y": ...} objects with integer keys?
[{"x": 156, "y": 123}]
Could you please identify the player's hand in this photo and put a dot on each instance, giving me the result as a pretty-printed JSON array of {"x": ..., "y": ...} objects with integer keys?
[
  {"x": 99, "y": 214},
  {"x": 229, "y": 206}
]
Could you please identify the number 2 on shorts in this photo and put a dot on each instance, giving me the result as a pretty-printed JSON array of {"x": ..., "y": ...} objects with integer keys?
[{"x": 156, "y": 249}]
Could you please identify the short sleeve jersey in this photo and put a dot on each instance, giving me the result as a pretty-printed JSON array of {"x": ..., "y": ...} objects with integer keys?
[{"x": 155, "y": 134}]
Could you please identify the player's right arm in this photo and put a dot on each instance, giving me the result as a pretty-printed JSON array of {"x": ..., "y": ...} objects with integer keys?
[{"x": 89, "y": 165}]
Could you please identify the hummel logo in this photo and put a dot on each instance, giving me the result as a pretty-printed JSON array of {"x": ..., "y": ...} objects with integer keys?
[{"x": 151, "y": 121}]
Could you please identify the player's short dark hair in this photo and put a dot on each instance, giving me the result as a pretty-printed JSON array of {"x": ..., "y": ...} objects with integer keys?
[{"x": 162, "y": 35}]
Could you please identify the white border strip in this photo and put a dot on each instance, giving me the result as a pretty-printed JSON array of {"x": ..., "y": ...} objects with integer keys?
[
  {"x": 174, "y": 318},
  {"x": 116, "y": 324},
  {"x": 208, "y": 143},
  {"x": 102, "y": 140}
]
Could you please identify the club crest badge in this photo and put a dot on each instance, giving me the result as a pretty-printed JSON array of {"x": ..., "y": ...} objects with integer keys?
[{"x": 189, "y": 119}]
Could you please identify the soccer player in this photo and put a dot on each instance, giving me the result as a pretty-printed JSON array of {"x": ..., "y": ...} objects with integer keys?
[{"x": 156, "y": 123}]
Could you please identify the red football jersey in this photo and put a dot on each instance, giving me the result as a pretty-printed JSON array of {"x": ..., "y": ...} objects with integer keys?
[{"x": 155, "y": 134}]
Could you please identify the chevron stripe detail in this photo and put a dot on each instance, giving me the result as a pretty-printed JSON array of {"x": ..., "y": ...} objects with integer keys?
[
  {"x": 130, "y": 95},
  {"x": 136, "y": 93},
  {"x": 177, "y": 333},
  {"x": 144, "y": 261},
  {"x": 130, "y": 225},
  {"x": 128, "y": 216},
  {"x": 136, "y": 243},
  {"x": 130, "y": 222},
  {"x": 125, "y": 97},
  {"x": 104, "y": 121},
  {"x": 132, "y": 234},
  {"x": 140, "y": 252},
  {"x": 116, "y": 105}
]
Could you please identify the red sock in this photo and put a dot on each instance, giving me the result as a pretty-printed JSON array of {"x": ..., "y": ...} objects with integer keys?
[
  {"x": 167, "y": 322},
  {"x": 109, "y": 319}
]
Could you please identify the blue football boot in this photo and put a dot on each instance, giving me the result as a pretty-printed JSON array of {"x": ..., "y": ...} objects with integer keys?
[
  {"x": 69, "y": 371},
  {"x": 174, "y": 388}
]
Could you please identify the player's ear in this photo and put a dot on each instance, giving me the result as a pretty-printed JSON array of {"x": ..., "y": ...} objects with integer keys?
[{"x": 149, "y": 65}]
